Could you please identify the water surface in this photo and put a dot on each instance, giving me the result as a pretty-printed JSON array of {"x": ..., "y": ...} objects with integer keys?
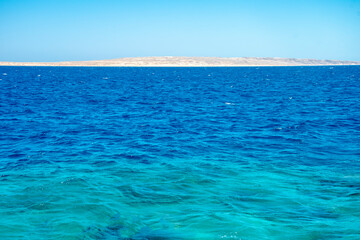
[{"x": 180, "y": 153}]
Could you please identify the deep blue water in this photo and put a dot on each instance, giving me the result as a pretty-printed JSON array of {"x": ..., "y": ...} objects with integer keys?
[{"x": 180, "y": 153}]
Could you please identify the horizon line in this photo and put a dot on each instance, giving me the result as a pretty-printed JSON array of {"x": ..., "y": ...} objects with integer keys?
[{"x": 160, "y": 56}]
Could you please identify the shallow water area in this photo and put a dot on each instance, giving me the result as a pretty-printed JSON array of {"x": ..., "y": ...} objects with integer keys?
[{"x": 180, "y": 153}]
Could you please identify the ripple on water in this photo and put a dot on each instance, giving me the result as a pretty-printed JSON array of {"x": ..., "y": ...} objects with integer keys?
[{"x": 170, "y": 153}]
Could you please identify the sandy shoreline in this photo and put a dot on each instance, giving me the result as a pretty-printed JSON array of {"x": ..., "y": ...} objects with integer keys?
[{"x": 188, "y": 62}]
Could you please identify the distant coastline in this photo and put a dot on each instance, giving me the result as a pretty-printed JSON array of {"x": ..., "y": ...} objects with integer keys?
[{"x": 188, "y": 62}]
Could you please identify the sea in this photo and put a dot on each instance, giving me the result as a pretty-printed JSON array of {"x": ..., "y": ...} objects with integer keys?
[{"x": 157, "y": 153}]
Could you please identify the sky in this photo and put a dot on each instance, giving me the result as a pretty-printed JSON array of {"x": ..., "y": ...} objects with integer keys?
[{"x": 71, "y": 30}]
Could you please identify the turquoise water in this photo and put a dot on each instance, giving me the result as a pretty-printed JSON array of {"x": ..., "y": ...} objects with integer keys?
[{"x": 180, "y": 153}]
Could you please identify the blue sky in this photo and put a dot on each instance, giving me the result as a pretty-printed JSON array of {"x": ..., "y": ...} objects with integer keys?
[{"x": 59, "y": 30}]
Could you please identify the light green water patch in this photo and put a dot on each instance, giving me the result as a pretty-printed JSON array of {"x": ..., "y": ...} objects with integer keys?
[{"x": 196, "y": 198}]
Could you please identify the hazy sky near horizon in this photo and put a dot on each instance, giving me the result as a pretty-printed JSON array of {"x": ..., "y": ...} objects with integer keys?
[{"x": 61, "y": 30}]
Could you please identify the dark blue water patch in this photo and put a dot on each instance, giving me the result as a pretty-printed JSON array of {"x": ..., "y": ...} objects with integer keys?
[{"x": 179, "y": 153}]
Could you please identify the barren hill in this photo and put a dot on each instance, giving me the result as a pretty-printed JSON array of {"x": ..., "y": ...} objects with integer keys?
[{"x": 189, "y": 62}]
